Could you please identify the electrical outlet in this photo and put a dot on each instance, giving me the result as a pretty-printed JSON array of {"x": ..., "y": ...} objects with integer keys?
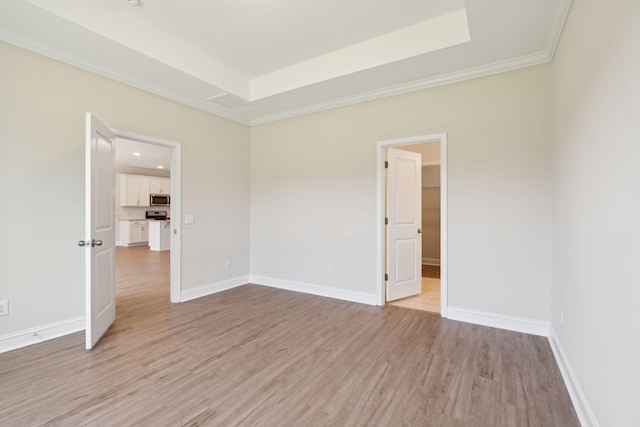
[
  {"x": 4, "y": 308},
  {"x": 227, "y": 264},
  {"x": 330, "y": 270}
]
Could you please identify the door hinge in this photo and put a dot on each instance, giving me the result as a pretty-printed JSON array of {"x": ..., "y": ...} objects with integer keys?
[
  {"x": 386, "y": 277},
  {"x": 386, "y": 164},
  {"x": 386, "y": 221}
]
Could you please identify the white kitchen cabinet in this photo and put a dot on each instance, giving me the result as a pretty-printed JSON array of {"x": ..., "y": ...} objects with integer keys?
[
  {"x": 134, "y": 190},
  {"x": 159, "y": 235},
  {"x": 159, "y": 185},
  {"x": 134, "y": 233}
]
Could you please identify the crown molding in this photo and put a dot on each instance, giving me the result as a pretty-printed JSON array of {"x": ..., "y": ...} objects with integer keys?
[
  {"x": 556, "y": 28},
  {"x": 430, "y": 82}
]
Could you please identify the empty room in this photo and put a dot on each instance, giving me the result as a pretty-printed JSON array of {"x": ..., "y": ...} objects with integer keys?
[{"x": 324, "y": 165}]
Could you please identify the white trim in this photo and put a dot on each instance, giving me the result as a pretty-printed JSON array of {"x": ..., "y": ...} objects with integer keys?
[
  {"x": 580, "y": 403},
  {"x": 444, "y": 226},
  {"x": 444, "y": 278},
  {"x": 500, "y": 321},
  {"x": 203, "y": 291},
  {"x": 556, "y": 28},
  {"x": 323, "y": 291},
  {"x": 42, "y": 333},
  {"x": 175, "y": 285},
  {"x": 524, "y": 61},
  {"x": 430, "y": 261}
]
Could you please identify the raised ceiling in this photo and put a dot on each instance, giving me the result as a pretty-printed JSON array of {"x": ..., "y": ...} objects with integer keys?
[
  {"x": 142, "y": 155},
  {"x": 256, "y": 61}
]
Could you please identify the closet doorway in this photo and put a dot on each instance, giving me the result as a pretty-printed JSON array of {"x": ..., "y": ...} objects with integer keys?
[
  {"x": 433, "y": 195},
  {"x": 429, "y": 297}
]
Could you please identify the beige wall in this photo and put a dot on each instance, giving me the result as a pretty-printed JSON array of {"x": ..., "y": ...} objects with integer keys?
[
  {"x": 42, "y": 106},
  {"x": 313, "y": 190},
  {"x": 596, "y": 82}
]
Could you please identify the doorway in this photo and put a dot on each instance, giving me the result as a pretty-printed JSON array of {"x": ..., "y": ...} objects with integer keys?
[
  {"x": 434, "y": 191},
  {"x": 143, "y": 223},
  {"x": 100, "y": 224},
  {"x": 173, "y": 211},
  {"x": 429, "y": 297}
]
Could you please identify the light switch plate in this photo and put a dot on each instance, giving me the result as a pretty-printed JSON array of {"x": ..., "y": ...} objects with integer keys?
[
  {"x": 4, "y": 308},
  {"x": 188, "y": 219}
]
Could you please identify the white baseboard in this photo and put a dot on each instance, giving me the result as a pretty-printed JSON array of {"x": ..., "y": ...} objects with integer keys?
[
  {"x": 42, "y": 333},
  {"x": 202, "y": 291},
  {"x": 500, "y": 321},
  {"x": 580, "y": 403},
  {"x": 323, "y": 291},
  {"x": 430, "y": 261}
]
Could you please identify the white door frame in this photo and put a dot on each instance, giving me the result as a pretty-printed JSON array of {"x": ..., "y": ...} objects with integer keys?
[
  {"x": 380, "y": 199},
  {"x": 176, "y": 205}
]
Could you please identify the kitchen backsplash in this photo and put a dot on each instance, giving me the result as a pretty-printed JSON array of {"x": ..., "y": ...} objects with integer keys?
[{"x": 139, "y": 212}]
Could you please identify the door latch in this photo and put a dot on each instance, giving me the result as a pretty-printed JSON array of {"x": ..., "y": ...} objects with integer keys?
[{"x": 92, "y": 243}]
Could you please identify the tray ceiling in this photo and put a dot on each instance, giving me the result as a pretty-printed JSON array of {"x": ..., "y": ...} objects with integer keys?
[{"x": 256, "y": 61}]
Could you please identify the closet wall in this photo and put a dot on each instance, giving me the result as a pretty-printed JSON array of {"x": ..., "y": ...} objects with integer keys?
[{"x": 431, "y": 214}]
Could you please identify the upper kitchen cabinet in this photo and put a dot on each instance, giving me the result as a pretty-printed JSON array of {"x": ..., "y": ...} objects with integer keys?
[
  {"x": 134, "y": 190},
  {"x": 159, "y": 185}
]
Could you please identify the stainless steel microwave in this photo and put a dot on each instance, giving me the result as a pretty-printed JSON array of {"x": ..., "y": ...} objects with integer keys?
[{"x": 159, "y": 200}]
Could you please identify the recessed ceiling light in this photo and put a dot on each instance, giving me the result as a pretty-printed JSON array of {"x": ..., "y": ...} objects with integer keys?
[
  {"x": 160, "y": 167},
  {"x": 137, "y": 154},
  {"x": 132, "y": 2}
]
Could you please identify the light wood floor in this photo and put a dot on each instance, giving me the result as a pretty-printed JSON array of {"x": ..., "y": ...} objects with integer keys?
[
  {"x": 255, "y": 356},
  {"x": 429, "y": 298}
]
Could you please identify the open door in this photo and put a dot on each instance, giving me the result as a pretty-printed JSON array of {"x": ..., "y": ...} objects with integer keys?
[
  {"x": 100, "y": 287},
  {"x": 404, "y": 220}
]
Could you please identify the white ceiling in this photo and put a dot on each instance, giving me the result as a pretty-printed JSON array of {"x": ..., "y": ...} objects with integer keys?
[
  {"x": 150, "y": 156},
  {"x": 256, "y": 61}
]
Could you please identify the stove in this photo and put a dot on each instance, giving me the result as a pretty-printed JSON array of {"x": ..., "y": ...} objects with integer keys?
[{"x": 156, "y": 215}]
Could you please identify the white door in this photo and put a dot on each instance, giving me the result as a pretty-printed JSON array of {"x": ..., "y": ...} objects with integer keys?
[
  {"x": 100, "y": 287},
  {"x": 403, "y": 230}
]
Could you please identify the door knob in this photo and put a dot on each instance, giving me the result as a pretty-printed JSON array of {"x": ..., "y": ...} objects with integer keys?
[
  {"x": 95, "y": 242},
  {"x": 419, "y": 230},
  {"x": 82, "y": 243}
]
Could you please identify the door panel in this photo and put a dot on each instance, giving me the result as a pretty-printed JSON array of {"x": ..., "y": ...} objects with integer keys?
[
  {"x": 403, "y": 231},
  {"x": 100, "y": 289},
  {"x": 406, "y": 176},
  {"x": 405, "y": 260}
]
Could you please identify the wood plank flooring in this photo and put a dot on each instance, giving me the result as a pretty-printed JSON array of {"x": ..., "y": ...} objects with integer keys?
[{"x": 255, "y": 356}]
